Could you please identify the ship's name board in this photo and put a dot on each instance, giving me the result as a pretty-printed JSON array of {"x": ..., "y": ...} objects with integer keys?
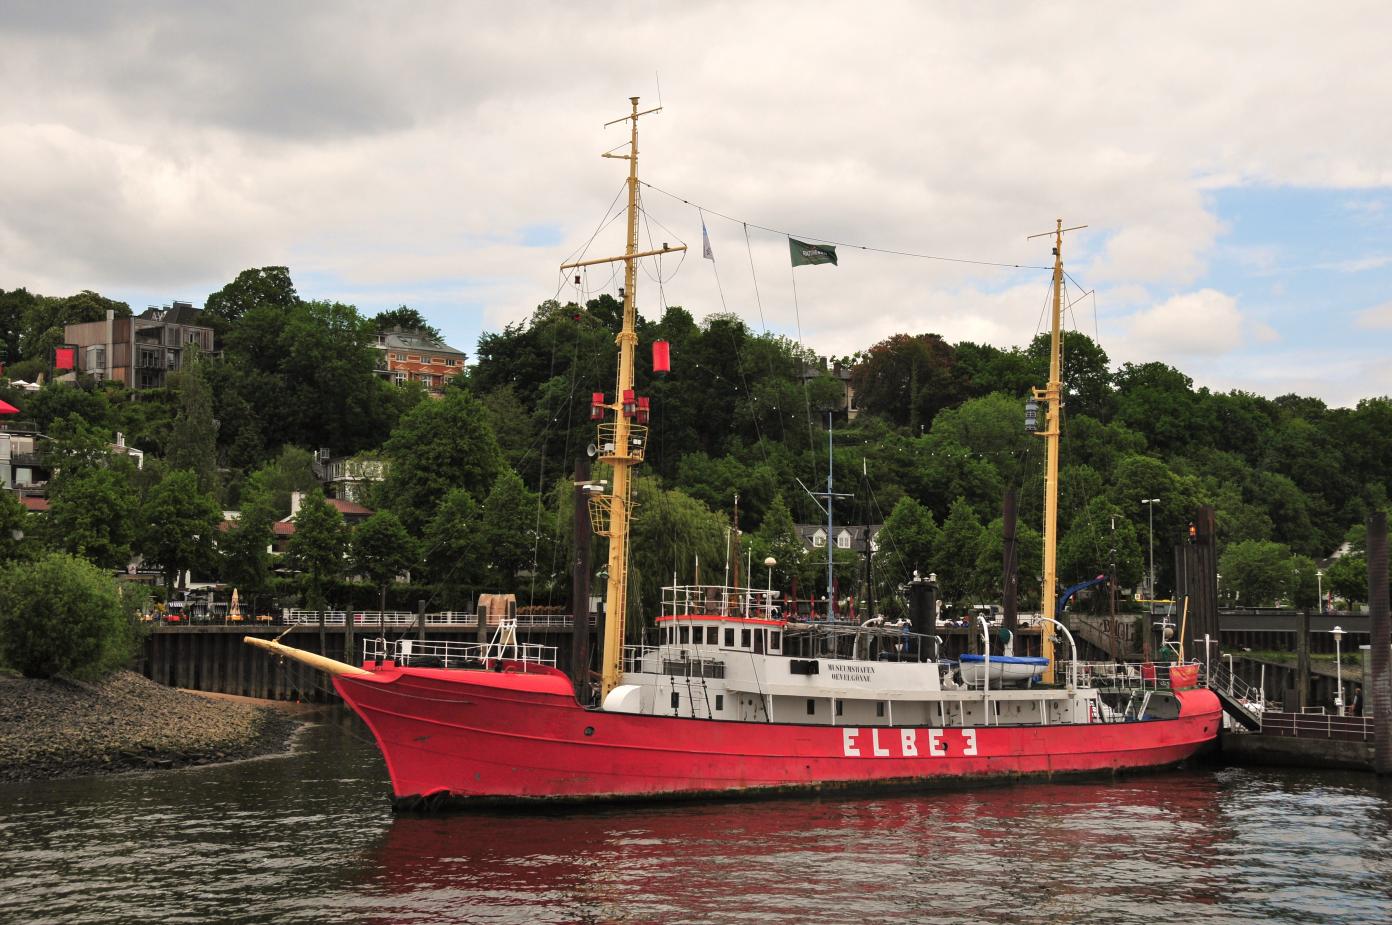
[
  {"x": 908, "y": 743},
  {"x": 842, "y": 671}
]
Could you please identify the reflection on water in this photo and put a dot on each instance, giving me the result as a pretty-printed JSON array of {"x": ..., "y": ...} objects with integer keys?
[{"x": 310, "y": 838}]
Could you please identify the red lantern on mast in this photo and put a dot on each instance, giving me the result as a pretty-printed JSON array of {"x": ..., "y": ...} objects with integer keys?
[
  {"x": 644, "y": 409},
  {"x": 630, "y": 404},
  {"x": 596, "y": 406},
  {"x": 662, "y": 358}
]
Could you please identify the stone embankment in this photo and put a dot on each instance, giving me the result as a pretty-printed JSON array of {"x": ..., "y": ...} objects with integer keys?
[{"x": 61, "y": 728}]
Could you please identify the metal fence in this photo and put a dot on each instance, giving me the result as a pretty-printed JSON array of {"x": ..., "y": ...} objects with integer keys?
[
  {"x": 366, "y": 619},
  {"x": 1318, "y": 726}
]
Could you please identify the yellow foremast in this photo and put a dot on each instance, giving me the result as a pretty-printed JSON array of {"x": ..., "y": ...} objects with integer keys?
[
  {"x": 621, "y": 442},
  {"x": 1052, "y": 397}
]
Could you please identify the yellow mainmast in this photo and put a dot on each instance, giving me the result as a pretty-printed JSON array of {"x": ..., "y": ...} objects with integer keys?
[
  {"x": 1052, "y": 396},
  {"x": 621, "y": 442}
]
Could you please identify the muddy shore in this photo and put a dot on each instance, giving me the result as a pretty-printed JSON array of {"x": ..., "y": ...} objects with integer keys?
[{"x": 62, "y": 728}]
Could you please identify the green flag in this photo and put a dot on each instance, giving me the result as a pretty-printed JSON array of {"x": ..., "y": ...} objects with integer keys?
[{"x": 811, "y": 253}]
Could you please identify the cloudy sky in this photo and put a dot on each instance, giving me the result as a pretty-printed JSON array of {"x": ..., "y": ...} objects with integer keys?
[{"x": 1233, "y": 163}]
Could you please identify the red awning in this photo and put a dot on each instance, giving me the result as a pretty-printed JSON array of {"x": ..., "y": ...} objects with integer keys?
[{"x": 7, "y": 408}]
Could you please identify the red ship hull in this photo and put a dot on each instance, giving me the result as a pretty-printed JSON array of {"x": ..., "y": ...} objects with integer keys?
[{"x": 485, "y": 737}]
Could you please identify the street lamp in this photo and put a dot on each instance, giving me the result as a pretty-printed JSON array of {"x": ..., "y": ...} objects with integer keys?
[
  {"x": 1319, "y": 587},
  {"x": 769, "y": 563},
  {"x": 1150, "y": 506},
  {"x": 1219, "y": 589},
  {"x": 1338, "y": 634}
]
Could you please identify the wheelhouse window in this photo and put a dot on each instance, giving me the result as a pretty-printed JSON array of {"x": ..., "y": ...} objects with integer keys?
[
  {"x": 775, "y": 640},
  {"x": 719, "y": 702},
  {"x": 745, "y": 639},
  {"x": 811, "y": 707},
  {"x": 729, "y": 638},
  {"x": 676, "y": 699},
  {"x": 684, "y": 635}
]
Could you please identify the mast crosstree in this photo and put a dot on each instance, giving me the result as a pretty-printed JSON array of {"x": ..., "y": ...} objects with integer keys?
[{"x": 621, "y": 441}]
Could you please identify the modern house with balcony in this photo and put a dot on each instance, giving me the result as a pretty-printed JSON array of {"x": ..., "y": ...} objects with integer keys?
[
  {"x": 141, "y": 351},
  {"x": 22, "y": 467},
  {"x": 411, "y": 356}
]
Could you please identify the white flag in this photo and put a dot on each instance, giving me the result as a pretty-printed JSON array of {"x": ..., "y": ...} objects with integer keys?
[{"x": 705, "y": 242}]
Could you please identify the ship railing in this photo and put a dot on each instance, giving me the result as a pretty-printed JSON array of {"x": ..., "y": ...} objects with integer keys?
[
  {"x": 433, "y": 654},
  {"x": 721, "y": 601},
  {"x": 640, "y": 659},
  {"x": 1127, "y": 675},
  {"x": 1220, "y": 678}
]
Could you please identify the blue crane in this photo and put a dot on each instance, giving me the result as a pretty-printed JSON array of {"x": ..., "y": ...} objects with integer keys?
[{"x": 1080, "y": 586}]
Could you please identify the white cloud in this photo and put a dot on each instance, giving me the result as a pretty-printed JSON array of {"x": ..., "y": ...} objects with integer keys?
[
  {"x": 1206, "y": 321},
  {"x": 1377, "y": 318}
]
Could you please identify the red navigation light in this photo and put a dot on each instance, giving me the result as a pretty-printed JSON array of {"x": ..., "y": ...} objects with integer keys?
[
  {"x": 662, "y": 357},
  {"x": 596, "y": 406},
  {"x": 644, "y": 409},
  {"x": 630, "y": 405}
]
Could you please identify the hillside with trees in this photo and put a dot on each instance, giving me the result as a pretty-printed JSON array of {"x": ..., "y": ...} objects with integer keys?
[{"x": 477, "y": 489}]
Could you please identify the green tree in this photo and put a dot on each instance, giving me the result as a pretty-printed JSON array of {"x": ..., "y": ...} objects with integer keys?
[
  {"x": 438, "y": 446},
  {"x": 272, "y": 485},
  {"x": 1086, "y": 373},
  {"x": 178, "y": 526},
  {"x": 245, "y": 552},
  {"x": 908, "y": 541},
  {"x": 382, "y": 550},
  {"x": 193, "y": 440},
  {"x": 957, "y": 550},
  {"x": 15, "y": 306},
  {"x": 670, "y": 529},
  {"x": 15, "y": 539},
  {"x": 91, "y": 513},
  {"x": 46, "y": 316},
  {"x": 990, "y": 562},
  {"x": 1302, "y": 585},
  {"x": 1103, "y": 534},
  {"x": 1158, "y": 401},
  {"x": 1348, "y": 578},
  {"x": 507, "y": 529},
  {"x": 317, "y": 548},
  {"x": 908, "y": 379},
  {"x": 777, "y": 536},
  {"x": 405, "y": 319},
  {"x": 59, "y": 400},
  {"x": 454, "y": 549},
  {"x": 269, "y": 287},
  {"x": 308, "y": 371},
  {"x": 1257, "y": 572},
  {"x": 62, "y": 615}
]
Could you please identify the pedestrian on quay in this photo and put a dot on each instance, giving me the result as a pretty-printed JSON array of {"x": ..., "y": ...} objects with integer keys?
[{"x": 1358, "y": 700}]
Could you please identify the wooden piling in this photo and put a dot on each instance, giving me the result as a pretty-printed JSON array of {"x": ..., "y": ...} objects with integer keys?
[
  {"x": 1302, "y": 660},
  {"x": 1380, "y": 686}
]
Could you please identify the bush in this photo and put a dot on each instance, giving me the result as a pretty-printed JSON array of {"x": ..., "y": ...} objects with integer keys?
[{"x": 62, "y": 615}]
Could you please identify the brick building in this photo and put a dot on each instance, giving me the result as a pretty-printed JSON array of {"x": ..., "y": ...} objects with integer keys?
[{"x": 410, "y": 356}]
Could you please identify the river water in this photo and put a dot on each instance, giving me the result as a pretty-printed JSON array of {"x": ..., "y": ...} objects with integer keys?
[{"x": 310, "y": 838}]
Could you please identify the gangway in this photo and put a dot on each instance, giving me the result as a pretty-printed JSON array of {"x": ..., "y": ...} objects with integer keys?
[{"x": 1244, "y": 703}]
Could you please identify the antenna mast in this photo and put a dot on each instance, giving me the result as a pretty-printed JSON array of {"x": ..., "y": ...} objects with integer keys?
[
  {"x": 621, "y": 442},
  {"x": 1052, "y": 396}
]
